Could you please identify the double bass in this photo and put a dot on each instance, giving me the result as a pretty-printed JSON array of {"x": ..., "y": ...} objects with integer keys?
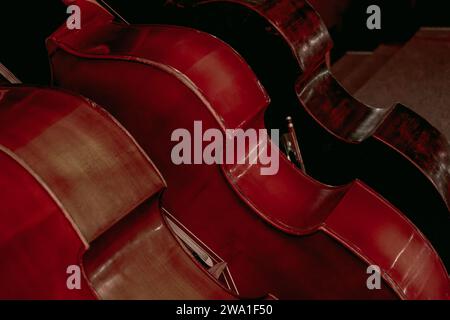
[
  {"x": 393, "y": 150},
  {"x": 285, "y": 234},
  {"x": 78, "y": 193}
]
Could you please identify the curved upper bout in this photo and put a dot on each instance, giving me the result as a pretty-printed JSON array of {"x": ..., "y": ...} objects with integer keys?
[
  {"x": 398, "y": 127},
  {"x": 211, "y": 67},
  {"x": 421, "y": 143},
  {"x": 294, "y": 20},
  {"x": 206, "y": 64}
]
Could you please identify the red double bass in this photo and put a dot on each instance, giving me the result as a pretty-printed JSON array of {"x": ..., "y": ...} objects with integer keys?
[
  {"x": 286, "y": 234},
  {"x": 393, "y": 150},
  {"x": 78, "y": 193}
]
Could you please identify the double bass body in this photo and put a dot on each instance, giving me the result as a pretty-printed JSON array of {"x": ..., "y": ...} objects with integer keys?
[
  {"x": 78, "y": 193},
  {"x": 393, "y": 150},
  {"x": 307, "y": 240}
]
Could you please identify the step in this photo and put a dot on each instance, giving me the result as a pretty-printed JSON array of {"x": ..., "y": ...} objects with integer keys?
[
  {"x": 418, "y": 76},
  {"x": 348, "y": 65},
  {"x": 353, "y": 77}
]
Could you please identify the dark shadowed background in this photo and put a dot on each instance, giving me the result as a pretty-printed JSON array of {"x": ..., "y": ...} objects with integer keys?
[{"x": 26, "y": 24}]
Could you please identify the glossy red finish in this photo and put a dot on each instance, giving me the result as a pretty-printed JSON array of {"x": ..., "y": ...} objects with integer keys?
[
  {"x": 77, "y": 190},
  {"x": 287, "y": 45},
  {"x": 287, "y": 234},
  {"x": 296, "y": 21},
  {"x": 305, "y": 34},
  {"x": 38, "y": 243}
]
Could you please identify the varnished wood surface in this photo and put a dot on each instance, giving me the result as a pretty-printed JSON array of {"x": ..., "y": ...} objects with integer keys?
[
  {"x": 172, "y": 68},
  {"x": 70, "y": 173},
  {"x": 97, "y": 177},
  {"x": 139, "y": 258},
  {"x": 338, "y": 133},
  {"x": 37, "y": 241}
]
